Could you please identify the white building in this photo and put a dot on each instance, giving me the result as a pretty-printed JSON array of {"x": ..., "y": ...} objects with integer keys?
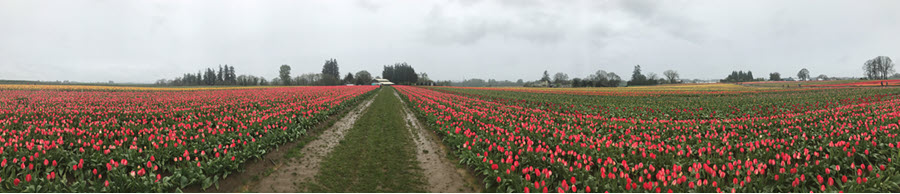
[{"x": 378, "y": 82}]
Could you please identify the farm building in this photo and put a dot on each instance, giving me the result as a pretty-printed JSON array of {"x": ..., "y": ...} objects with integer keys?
[{"x": 378, "y": 82}]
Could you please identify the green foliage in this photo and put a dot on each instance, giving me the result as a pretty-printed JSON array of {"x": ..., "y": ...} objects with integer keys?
[
  {"x": 775, "y": 76},
  {"x": 376, "y": 155},
  {"x": 363, "y": 78},
  {"x": 400, "y": 73},
  {"x": 639, "y": 79},
  {"x": 739, "y": 76},
  {"x": 284, "y": 73},
  {"x": 330, "y": 73}
]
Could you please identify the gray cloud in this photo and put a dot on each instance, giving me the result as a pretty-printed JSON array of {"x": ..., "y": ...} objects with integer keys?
[
  {"x": 525, "y": 20},
  {"x": 141, "y": 41},
  {"x": 368, "y": 5}
]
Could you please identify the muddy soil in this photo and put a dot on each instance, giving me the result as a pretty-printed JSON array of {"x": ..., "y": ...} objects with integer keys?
[
  {"x": 442, "y": 174},
  {"x": 285, "y": 176}
]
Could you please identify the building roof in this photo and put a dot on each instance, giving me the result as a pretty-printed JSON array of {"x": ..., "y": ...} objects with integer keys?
[{"x": 384, "y": 81}]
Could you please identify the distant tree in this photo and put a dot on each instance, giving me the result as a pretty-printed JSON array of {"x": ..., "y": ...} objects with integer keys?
[
  {"x": 220, "y": 77},
  {"x": 263, "y": 82},
  {"x": 671, "y": 75},
  {"x": 803, "y": 74},
  {"x": 479, "y": 83},
  {"x": 276, "y": 80},
  {"x": 652, "y": 76},
  {"x": 330, "y": 73},
  {"x": 231, "y": 79},
  {"x": 400, "y": 73},
  {"x": 822, "y": 77},
  {"x": 225, "y": 76},
  {"x": 879, "y": 67},
  {"x": 210, "y": 77},
  {"x": 424, "y": 80},
  {"x": 638, "y": 79},
  {"x": 243, "y": 80},
  {"x": 636, "y": 76},
  {"x": 363, "y": 77},
  {"x": 388, "y": 72},
  {"x": 576, "y": 82},
  {"x": 285, "y": 74},
  {"x": 602, "y": 79},
  {"x": 520, "y": 82},
  {"x": 308, "y": 79},
  {"x": 775, "y": 76},
  {"x": 546, "y": 77},
  {"x": 349, "y": 78},
  {"x": 739, "y": 76},
  {"x": 560, "y": 79}
]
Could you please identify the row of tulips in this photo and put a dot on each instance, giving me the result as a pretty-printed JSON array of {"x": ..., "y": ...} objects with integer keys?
[
  {"x": 544, "y": 145},
  {"x": 150, "y": 141}
]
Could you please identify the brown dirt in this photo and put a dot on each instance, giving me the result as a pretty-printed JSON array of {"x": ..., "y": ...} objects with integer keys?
[
  {"x": 243, "y": 181},
  {"x": 442, "y": 174},
  {"x": 286, "y": 175}
]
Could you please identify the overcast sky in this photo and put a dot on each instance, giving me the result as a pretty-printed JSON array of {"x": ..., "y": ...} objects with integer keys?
[{"x": 142, "y": 41}]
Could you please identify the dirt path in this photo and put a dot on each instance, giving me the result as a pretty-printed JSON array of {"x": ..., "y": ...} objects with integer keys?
[
  {"x": 286, "y": 175},
  {"x": 442, "y": 174}
]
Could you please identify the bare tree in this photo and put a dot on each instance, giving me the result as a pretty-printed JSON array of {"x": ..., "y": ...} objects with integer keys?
[
  {"x": 560, "y": 79},
  {"x": 880, "y": 67},
  {"x": 803, "y": 74},
  {"x": 671, "y": 75}
]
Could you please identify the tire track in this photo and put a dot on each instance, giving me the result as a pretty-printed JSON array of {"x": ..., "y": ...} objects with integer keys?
[
  {"x": 286, "y": 176},
  {"x": 442, "y": 174}
]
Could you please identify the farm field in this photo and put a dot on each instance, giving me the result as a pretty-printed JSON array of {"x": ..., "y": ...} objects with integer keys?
[
  {"x": 110, "y": 139},
  {"x": 117, "y": 88},
  {"x": 742, "y": 140},
  {"x": 830, "y": 83},
  {"x": 679, "y": 138}
]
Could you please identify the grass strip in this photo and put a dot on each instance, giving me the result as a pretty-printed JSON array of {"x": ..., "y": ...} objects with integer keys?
[{"x": 376, "y": 155}]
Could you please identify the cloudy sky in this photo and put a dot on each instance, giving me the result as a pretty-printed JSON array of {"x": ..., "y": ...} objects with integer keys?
[{"x": 142, "y": 41}]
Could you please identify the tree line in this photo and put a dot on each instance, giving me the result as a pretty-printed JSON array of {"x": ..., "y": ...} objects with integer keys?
[
  {"x": 224, "y": 76},
  {"x": 399, "y": 73},
  {"x": 329, "y": 76},
  {"x": 602, "y": 78},
  {"x": 880, "y": 67}
]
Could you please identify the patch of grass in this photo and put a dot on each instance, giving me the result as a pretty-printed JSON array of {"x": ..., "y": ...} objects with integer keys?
[
  {"x": 269, "y": 171},
  {"x": 376, "y": 155}
]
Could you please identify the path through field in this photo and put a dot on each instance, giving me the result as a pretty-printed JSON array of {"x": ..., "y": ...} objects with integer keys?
[
  {"x": 442, "y": 173},
  {"x": 376, "y": 155},
  {"x": 285, "y": 176},
  {"x": 377, "y": 147}
]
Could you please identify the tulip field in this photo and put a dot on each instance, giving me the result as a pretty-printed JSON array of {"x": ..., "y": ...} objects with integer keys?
[
  {"x": 134, "y": 140},
  {"x": 644, "y": 140}
]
